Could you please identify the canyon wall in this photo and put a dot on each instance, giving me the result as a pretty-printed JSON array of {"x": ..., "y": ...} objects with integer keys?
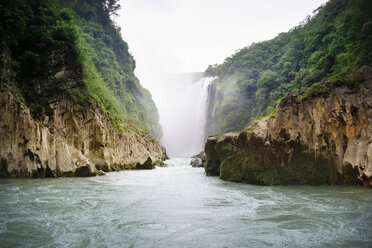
[
  {"x": 321, "y": 135},
  {"x": 72, "y": 142}
]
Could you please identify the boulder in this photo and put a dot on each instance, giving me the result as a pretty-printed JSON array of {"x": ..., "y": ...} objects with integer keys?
[
  {"x": 197, "y": 162},
  {"x": 100, "y": 173},
  {"x": 147, "y": 165}
]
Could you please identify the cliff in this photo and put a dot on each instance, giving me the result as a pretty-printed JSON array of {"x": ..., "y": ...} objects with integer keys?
[
  {"x": 320, "y": 135},
  {"x": 336, "y": 39},
  {"x": 70, "y": 104},
  {"x": 70, "y": 143}
]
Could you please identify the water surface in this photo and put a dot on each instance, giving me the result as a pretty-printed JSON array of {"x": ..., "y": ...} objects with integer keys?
[{"x": 178, "y": 206}]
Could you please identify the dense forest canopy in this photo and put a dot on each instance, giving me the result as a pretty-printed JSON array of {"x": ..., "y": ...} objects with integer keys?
[
  {"x": 55, "y": 48},
  {"x": 336, "y": 40}
]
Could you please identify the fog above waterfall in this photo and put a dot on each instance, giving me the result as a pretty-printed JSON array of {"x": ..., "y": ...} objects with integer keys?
[
  {"x": 181, "y": 99},
  {"x": 171, "y": 38}
]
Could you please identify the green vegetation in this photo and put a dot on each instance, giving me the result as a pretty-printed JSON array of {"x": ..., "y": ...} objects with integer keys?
[
  {"x": 53, "y": 49},
  {"x": 314, "y": 90},
  {"x": 352, "y": 80},
  {"x": 334, "y": 42}
]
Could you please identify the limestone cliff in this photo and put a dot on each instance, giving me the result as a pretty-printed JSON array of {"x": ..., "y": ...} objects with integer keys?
[
  {"x": 69, "y": 143},
  {"x": 321, "y": 135}
]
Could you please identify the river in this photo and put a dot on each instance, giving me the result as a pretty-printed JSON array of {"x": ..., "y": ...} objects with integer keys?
[{"x": 179, "y": 206}]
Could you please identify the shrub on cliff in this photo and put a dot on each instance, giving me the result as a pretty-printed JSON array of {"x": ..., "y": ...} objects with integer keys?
[
  {"x": 336, "y": 40},
  {"x": 58, "y": 48}
]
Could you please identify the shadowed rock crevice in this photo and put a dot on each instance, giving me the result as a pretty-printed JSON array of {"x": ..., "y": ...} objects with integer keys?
[
  {"x": 84, "y": 171},
  {"x": 3, "y": 168},
  {"x": 49, "y": 172},
  {"x": 147, "y": 165}
]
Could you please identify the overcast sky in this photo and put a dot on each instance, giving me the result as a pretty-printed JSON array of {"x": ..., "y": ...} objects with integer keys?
[{"x": 167, "y": 36}]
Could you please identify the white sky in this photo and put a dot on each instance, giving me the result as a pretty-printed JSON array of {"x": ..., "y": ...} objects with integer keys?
[{"x": 168, "y": 36}]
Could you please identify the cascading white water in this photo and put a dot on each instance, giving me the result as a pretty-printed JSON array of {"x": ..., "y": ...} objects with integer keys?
[
  {"x": 182, "y": 104},
  {"x": 200, "y": 88}
]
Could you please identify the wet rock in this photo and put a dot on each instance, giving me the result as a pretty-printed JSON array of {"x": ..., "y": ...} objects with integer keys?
[
  {"x": 100, "y": 173},
  {"x": 103, "y": 167},
  {"x": 147, "y": 165},
  {"x": 212, "y": 165},
  {"x": 198, "y": 160},
  {"x": 159, "y": 163}
]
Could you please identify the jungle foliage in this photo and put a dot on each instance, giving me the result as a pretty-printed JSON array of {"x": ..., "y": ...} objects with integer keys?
[
  {"x": 58, "y": 48},
  {"x": 336, "y": 40}
]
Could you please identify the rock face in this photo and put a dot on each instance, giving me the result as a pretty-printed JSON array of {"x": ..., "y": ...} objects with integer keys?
[
  {"x": 71, "y": 143},
  {"x": 323, "y": 139}
]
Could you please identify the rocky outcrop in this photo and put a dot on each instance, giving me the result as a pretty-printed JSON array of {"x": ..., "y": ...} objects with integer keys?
[
  {"x": 73, "y": 142},
  {"x": 198, "y": 160},
  {"x": 318, "y": 137}
]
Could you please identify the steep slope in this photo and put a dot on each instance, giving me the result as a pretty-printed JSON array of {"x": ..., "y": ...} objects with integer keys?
[
  {"x": 250, "y": 83},
  {"x": 70, "y": 143},
  {"x": 70, "y": 103},
  {"x": 56, "y": 47},
  {"x": 320, "y": 135},
  {"x": 115, "y": 64}
]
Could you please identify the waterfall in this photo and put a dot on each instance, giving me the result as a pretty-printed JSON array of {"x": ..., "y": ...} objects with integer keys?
[
  {"x": 201, "y": 89},
  {"x": 183, "y": 106}
]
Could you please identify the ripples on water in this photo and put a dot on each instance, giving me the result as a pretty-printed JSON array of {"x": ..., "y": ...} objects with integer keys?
[{"x": 178, "y": 206}]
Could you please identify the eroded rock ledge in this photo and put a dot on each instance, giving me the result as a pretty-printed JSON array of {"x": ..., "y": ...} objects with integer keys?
[
  {"x": 71, "y": 143},
  {"x": 326, "y": 139}
]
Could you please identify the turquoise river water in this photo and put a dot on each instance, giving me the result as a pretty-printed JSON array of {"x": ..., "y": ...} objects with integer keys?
[{"x": 179, "y": 206}]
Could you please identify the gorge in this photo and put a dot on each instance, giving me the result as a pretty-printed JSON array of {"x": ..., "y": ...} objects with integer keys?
[{"x": 96, "y": 146}]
